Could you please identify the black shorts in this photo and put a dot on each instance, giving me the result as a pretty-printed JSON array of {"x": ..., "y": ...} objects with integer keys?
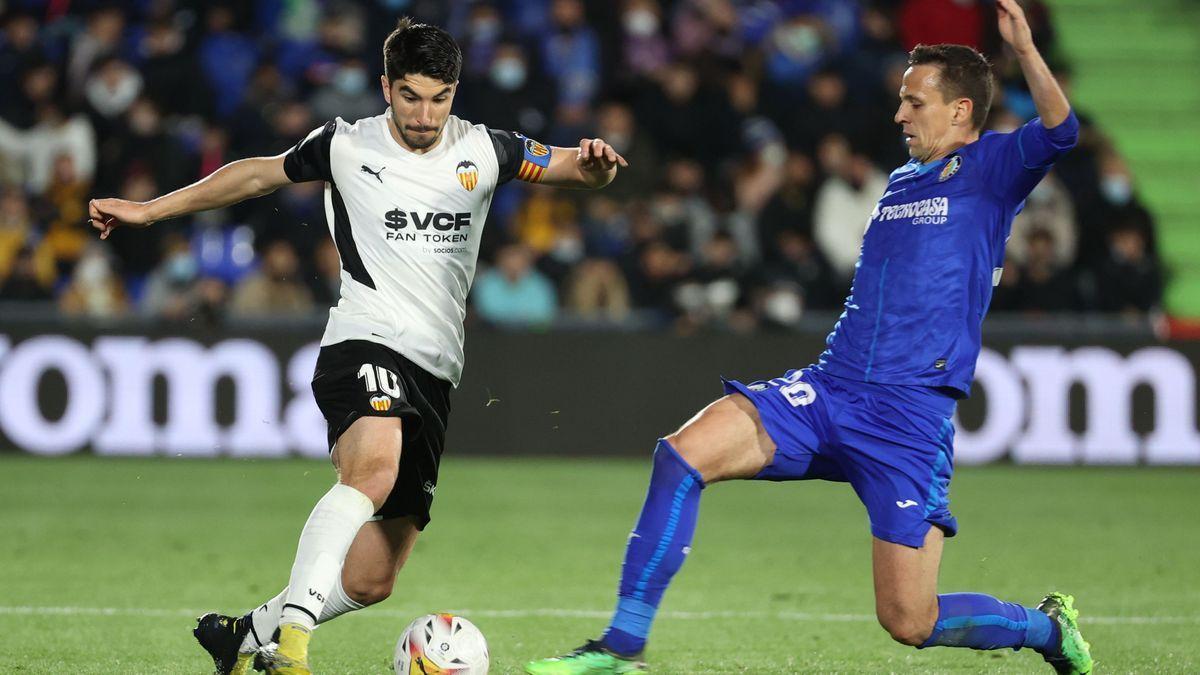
[{"x": 357, "y": 379}]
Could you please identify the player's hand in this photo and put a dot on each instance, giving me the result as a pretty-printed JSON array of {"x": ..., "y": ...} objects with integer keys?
[
  {"x": 1013, "y": 26},
  {"x": 596, "y": 156},
  {"x": 107, "y": 215}
]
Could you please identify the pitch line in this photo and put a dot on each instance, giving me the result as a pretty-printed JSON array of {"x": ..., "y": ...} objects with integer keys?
[{"x": 406, "y": 614}]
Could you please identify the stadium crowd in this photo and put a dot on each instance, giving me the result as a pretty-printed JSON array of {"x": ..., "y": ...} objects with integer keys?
[{"x": 759, "y": 135}]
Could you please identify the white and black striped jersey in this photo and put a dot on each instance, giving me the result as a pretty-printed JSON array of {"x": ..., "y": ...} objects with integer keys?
[{"x": 407, "y": 227}]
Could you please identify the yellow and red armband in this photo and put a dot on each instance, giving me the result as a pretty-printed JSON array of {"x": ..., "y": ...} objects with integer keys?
[{"x": 534, "y": 162}]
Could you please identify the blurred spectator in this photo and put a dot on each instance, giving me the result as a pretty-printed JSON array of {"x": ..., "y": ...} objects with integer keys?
[
  {"x": 799, "y": 266},
  {"x": 791, "y": 207},
  {"x": 682, "y": 208},
  {"x": 227, "y": 59},
  {"x": 143, "y": 145},
  {"x": 596, "y": 290},
  {"x": 23, "y": 283},
  {"x": 1044, "y": 284},
  {"x": 350, "y": 93},
  {"x": 19, "y": 52},
  {"x": 170, "y": 70},
  {"x": 760, "y": 129},
  {"x": 645, "y": 50},
  {"x": 67, "y": 234},
  {"x": 17, "y": 234},
  {"x": 844, "y": 203},
  {"x": 269, "y": 92},
  {"x": 514, "y": 293},
  {"x": 616, "y": 124},
  {"x": 95, "y": 289},
  {"x": 326, "y": 283},
  {"x": 510, "y": 95},
  {"x": 53, "y": 135},
  {"x": 1129, "y": 280},
  {"x": 715, "y": 287},
  {"x": 170, "y": 291},
  {"x": 1047, "y": 208},
  {"x": 110, "y": 90},
  {"x": 572, "y": 59},
  {"x": 658, "y": 268},
  {"x": 275, "y": 288},
  {"x": 101, "y": 38},
  {"x": 485, "y": 30}
]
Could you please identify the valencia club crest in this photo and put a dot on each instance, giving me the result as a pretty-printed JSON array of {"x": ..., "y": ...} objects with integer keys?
[{"x": 468, "y": 174}]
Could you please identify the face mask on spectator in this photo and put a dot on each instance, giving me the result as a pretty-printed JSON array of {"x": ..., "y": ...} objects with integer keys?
[
  {"x": 641, "y": 23},
  {"x": 350, "y": 81},
  {"x": 1117, "y": 189},
  {"x": 92, "y": 271},
  {"x": 181, "y": 269},
  {"x": 508, "y": 74},
  {"x": 783, "y": 307},
  {"x": 485, "y": 30}
]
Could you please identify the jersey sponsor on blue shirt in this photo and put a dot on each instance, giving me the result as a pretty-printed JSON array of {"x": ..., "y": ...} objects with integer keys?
[{"x": 930, "y": 257}]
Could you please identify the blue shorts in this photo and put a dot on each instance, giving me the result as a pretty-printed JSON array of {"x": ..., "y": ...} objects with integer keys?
[{"x": 892, "y": 443}]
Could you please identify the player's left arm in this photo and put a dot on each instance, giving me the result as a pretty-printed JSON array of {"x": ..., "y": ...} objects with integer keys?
[
  {"x": 590, "y": 166},
  {"x": 1051, "y": 102}
]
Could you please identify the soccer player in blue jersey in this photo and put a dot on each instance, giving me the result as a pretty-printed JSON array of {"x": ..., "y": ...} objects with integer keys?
[{"x": 875, "y": 410}]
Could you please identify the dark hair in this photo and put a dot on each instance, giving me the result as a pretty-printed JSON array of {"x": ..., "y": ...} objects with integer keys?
[
  {"x": 422, "y": 49},
  {"x": 965, "y": 74}
]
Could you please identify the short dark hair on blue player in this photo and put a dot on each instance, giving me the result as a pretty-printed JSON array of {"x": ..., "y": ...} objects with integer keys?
[
  {"x": 421, "y": 49},
  {"x": 965, "y": 74}
]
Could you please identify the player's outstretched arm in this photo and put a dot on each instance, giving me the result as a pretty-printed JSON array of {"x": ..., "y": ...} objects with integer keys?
[
  {"x": 592, "y": 165},
  {"x": 232, "y": 183},
  {"x": 1051, "y": 102}
]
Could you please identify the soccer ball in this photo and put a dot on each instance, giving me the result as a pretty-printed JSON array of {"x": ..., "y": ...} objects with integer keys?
[{"x": 441, "y": 644}]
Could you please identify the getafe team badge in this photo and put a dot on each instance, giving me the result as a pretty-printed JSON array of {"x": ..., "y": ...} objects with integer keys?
[
  {"x": 468, "y": 174},
  {"x": 950, "y": 169},
  {"x": 381, "y": 403}
]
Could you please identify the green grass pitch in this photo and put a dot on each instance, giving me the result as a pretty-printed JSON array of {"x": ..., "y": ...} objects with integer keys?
[{"x": 103, "y": 564}]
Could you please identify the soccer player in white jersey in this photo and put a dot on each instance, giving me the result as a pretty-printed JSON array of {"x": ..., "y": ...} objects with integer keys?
[{"x": 406, "y": 195}]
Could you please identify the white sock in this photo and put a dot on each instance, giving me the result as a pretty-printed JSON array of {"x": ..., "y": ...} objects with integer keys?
[
  {"x": 324, "y": 541},
  {"x": 265, "y": 619},
  {"x": 337, "y": 603}
]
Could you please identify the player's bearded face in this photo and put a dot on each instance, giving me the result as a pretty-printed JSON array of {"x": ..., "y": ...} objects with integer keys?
[
  {"x": 926, "y": 118},
  {"x": 420, "y": 106}
]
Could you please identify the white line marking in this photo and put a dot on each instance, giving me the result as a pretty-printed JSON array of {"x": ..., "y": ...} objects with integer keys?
[{"x": 557, "y": 613}]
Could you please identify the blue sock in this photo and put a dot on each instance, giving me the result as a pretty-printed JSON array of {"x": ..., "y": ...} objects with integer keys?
[
  {"x": 982, "y": 622},
  {"x": 656, "y": 548}
]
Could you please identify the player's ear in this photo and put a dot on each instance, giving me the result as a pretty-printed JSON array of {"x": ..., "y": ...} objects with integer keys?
[
  {"x": 387, "y": 90},
  {"x": 963, "y": 108}
]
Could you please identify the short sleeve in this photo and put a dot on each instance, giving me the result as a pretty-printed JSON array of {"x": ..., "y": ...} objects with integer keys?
[
  {"x": 510, "y": 148},
  {"x": 1017, "y": 161},
  {"x": 309, "y": 159}
]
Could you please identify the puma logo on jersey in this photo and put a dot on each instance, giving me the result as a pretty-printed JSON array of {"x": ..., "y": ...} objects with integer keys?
[{"x": 367, "y": 169}]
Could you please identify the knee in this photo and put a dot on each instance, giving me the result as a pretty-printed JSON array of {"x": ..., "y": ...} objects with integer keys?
[
  {"x": 906, "y": 626},
  {"x": 369, "y": 591},
  {"x": 373, "y": 479}
]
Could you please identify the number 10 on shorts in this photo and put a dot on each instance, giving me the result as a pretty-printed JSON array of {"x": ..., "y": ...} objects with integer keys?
[{"x": 380, "y": 379}]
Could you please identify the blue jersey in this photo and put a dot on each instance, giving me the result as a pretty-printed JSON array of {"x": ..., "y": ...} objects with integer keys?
[{"x": 933, "y": 250}]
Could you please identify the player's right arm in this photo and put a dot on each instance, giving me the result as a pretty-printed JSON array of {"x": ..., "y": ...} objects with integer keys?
[{"x": 232, "y": 183}]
